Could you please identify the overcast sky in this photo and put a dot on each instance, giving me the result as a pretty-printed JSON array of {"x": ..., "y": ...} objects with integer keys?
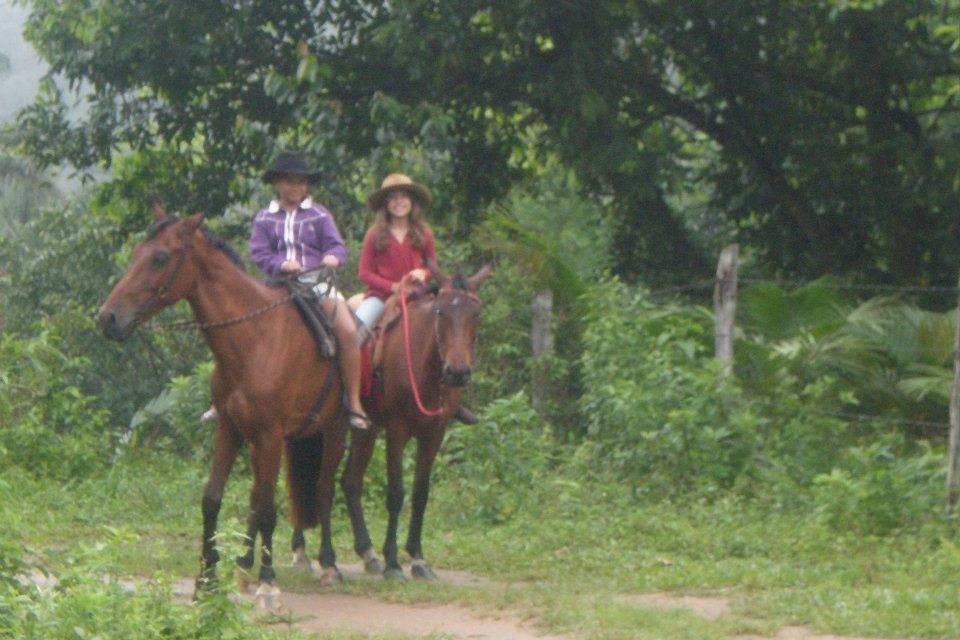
[{"x": 17, "y": 87}]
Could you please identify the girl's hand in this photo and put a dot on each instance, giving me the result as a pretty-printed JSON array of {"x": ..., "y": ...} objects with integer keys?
[
  {"x": 420, "y": 275},
  {"x": 330, "y": 261},
  {"x": 290, "y": 266}
]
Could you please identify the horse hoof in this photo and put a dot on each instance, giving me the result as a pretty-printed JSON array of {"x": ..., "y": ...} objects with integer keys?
[
  {"x": 301, "y": 561},
  {"x": 242, "y": 578},
  {"x": 205, "y": 583},
  {"x": 267, "y": 598},
  {"x": 371, "y": 563},
  {"x": 420, "y": 570},
  {"x": 394, "y": 574},
  {"x": 330, "y": 576}
]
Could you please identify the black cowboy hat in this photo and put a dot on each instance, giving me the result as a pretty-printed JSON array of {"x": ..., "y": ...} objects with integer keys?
[{"x": 291, "y": 163}]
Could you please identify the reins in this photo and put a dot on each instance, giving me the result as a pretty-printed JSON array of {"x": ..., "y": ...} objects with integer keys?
[
  {"x": 203, "y": 326},
  {"x": 406, "y": 342}
]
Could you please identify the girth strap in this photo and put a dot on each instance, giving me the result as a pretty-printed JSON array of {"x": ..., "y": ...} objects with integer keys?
[{"x": 318, "y": 405}]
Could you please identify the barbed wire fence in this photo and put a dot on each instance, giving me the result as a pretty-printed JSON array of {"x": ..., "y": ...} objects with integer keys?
[{"x": 725, "y": 286}]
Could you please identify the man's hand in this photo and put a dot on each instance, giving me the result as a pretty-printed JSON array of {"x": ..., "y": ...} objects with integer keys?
[
  {"x": 420, "y": 275},
  {"x": 330, "y": 261},
  {"x": 290, "y": 266}
]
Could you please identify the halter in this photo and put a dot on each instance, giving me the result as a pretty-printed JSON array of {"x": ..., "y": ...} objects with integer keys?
[{"x": 160, "y": 292}]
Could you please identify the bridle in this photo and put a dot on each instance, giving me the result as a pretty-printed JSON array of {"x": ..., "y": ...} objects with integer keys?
[
  {"x": 402, "y": 293},
  {"x": 158, "y": 296}
]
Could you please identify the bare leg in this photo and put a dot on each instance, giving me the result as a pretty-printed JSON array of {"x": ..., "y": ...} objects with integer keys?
[{"x": 345, "y": 330}]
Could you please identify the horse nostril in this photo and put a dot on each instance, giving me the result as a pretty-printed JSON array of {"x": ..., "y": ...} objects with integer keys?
[
  {"x": 106, "y": 319},
  {"x": 108, "y": 325},
  {"x": 456, "y": 377}
]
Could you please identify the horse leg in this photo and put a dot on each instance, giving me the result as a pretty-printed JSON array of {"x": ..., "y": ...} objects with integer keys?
[
  {"x": 427, "y": 449},
  {"x": 298, "y": 544},
  {"x": 263, "y": 513},
  {"x": 395, "y": 445},
  {"x": 245, "y": 561},
  {"x": 352, "y": 484},
  {"x": 332, "y": 454},
  {"x": 226, "y": 444}
]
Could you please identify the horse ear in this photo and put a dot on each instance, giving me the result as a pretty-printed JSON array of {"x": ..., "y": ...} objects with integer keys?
[
  {"x": 159, "y": 211},
  {"x": 195, "y": 220},
  {"x": 479, "y": 277},
  {"x": 191, "y": 224}
]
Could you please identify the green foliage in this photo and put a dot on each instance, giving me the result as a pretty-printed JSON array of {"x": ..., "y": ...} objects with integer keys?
[
  {"x": 771, "y": 119},
  {"x": 58, "y": 274},
  {"x": 500, "y": 463},
  {"x": 171, "y": 421},
  {"x": 85, "y": 605},
  {"x": 881, "y": 487},
  {"x": 893, "y": 358},
  {"x": 653, "y": 399},
  {"x": 50, "y": 427}
]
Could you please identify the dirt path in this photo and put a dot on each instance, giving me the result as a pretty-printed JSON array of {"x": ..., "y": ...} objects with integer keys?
[{"x": 332, "y": 611}]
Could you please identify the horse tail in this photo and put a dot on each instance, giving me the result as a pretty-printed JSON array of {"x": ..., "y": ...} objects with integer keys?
[{"x": 303, "y": 476}]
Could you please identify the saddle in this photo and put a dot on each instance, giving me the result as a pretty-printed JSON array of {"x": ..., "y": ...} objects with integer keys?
[{"x": 308, "y": 304}]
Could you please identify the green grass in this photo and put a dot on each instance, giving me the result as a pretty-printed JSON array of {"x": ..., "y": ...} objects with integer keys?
[{"x": 563, "y": 560}]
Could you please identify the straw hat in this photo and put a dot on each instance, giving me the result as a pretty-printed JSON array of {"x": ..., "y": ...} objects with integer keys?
[
  {"x": 396, "y": 181},
  {"x": 291, "y": 163}
]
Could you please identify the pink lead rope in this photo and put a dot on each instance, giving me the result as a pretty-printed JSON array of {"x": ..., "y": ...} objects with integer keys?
[{"x": 406, "y": 340}]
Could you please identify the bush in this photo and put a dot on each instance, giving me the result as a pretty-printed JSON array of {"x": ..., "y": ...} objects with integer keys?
[
  {"x": 881, "y": 487},
  {"x": 500, "y": 462},
  {"x": 171, "y": 421},
  {"x": 653, "y": 400},
  {"x": 51, "y": 428}
]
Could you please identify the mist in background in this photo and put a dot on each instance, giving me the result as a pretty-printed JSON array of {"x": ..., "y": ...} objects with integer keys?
[{"x": 19, "y": 85}]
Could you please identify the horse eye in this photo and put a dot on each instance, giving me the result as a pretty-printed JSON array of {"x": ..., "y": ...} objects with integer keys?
[{"x": 160, "y": 258}]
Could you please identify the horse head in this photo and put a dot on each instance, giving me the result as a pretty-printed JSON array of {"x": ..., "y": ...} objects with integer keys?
[
  {"x": 158, "y": 276},
  {"x": 456, "y": 310}
]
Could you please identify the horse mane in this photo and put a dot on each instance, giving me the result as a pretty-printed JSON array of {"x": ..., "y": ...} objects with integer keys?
[
  {"x": 212, "y": 239},
  {"x": 459, "y": 282}
]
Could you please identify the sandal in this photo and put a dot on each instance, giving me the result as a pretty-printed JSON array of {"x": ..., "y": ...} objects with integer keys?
[{"x": 358, "y": 421}]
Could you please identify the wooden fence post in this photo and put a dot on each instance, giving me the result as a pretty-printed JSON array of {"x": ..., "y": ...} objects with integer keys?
[
  {"x": 541, "y": 337},
  {"x": 953, "y": 451},
  {"x": 725, "y": 306}
]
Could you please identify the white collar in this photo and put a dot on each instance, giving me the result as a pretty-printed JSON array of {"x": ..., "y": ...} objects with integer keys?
[{"x": 275, "y": 206}]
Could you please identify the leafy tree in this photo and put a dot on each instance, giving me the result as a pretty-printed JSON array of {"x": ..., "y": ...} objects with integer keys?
[{"x": 822, "y": 133}]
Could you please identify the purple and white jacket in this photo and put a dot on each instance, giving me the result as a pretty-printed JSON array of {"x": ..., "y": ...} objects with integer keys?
[{"x": 306, "y": 236}]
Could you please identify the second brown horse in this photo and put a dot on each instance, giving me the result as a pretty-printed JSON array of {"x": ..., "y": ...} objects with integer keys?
[{"x": 427, "y": 358}]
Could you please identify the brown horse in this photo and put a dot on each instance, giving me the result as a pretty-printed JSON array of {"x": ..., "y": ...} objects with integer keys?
[
  {"x": 267, "y": 378},
  {"x": 427, "y": 359}
]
